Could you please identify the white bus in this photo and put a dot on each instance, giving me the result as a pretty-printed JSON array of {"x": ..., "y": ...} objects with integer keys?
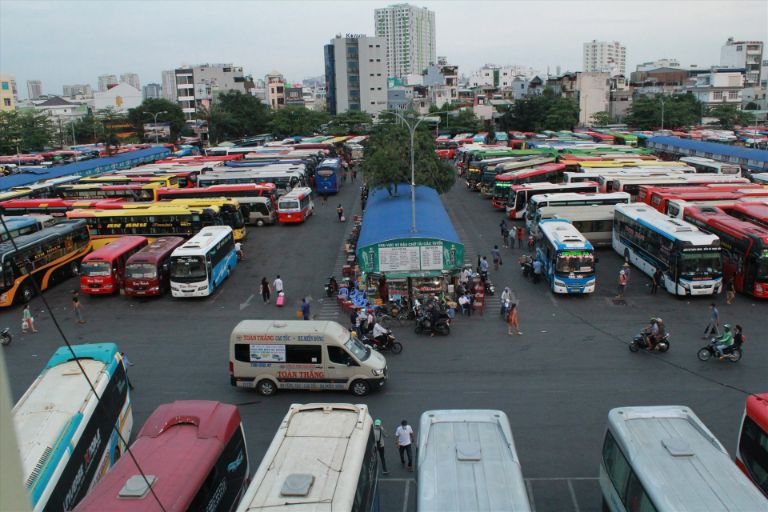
[
  {"x": 323, "y": 457},
  {"x": 639, "y": 172},
  {"x": 709, "y": 166},
  {"x": 519, "y": 195},
  {"x": 67, "y": 438},
  {"x": 467, "y": 461},
  {"x": 567, "y": 257},
  {"x": 203, "y": 262},
  {"x": 664, "y": 459},
  {"x": 632, "y": 184},
  {"x": 595, "y": 222},
  {"x": 569, "y": 199},
  {"x": 284, "y": 181},
  {"x": 688, "y": 258}
]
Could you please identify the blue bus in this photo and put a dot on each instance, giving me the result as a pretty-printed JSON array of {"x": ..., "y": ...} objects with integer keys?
[
  {"x": 567, "y": 257},
  {"x": 328, "y": 176},
  {"x": 203, "y": 262},
  {"x": 23, "y": 225},
  {"x": 67, "y": 436}
]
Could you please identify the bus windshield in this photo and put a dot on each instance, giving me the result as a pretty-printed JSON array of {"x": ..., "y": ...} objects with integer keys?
[
  {"x": 578, "y": 262},
  {"x": 140, "y": 270},
  {"x": 360, "y": 351},
  {"x": 188, "y": 268},
  {"x": 289, "y": 205},
  {"x": 762, "y": 267},
  {"x": 699, "y": 265},
  {"x": 95, "y": 268}
]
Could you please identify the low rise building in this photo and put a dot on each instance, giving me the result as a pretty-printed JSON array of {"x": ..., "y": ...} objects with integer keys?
[
  {"x": 275, "y": 90},
  {"x": 196, "y": 85},
  {"x": 121, "y": 97},
  {"x": 61, "y": 110},
  {"x": 152, "y": 91},
  {"x": 594, "y": 93},
  {"x": 717, "y": 87},
  {"x": 8, "y": 93},
  {"x": 294, "y": 95}
]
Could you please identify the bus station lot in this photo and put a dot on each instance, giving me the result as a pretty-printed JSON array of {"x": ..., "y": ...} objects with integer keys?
[{"x": 556, "y": 382}]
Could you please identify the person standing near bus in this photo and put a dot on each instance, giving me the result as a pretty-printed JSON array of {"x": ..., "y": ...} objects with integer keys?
[
  {"x": 403, "y": 440},
  {"x": 277, "y": 285},
  {"x": 378, "y": 436},
  {"x": 264, "y": 289},
  {"x": 730, "y": 290},
  {"x": 77, "y": 307},
  {"x": 239, "y": 251},
  {"x": 655, "y": 281},
  {"x": 340, "y": 212},
  {"x": 520, "y": 237},
  {"x": 622, "y": 284},
  {"x": 305, "y": 308},
  {"x": 27, "y": 321}
]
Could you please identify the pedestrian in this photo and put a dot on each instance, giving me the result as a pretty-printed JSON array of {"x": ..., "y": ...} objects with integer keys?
[
  {"x": 626, "y": 268},
  {"x": 655, "y": 281},
  {"x": 378, "y": 436},
  {"x": 354, "y": 172},
  {"x": 277, "y": 285},
  {"x": 622, "y": 284},
  {"x": 520, "y": 237},
  {"x": 512, "y": 320},
  {"x": 403, "y": 440},
  {"x": 506, "y": 298},
  {"x": 464, "y": 304},
  {"x": 239, "y": 251},
  {"x": 126, "y": 364},
  {"x": 730, "y": 290},
  {"x": 503, "y": 227},
  {"x": 713, "y": 327},
  {"x": 77, "y": 307},
  {"x": 531, "y": 243},
  {"x": 340, "y": 212},
  {"x": 264, "y": 289},
  {"x": 305, "y": 308},
  {"x": 464, "y": 279},
  {"x": 537, "y": 268},
  {"x": 27, "y": 321},
  {"x": 360, "y": 320},
  {"x": 370, "y": 320},
  {"x": 496, "y": 255},
  {"x": 470, "y": 303},
  {"x": 505, "y": 237},
  {"x": 324, "y": 196}
]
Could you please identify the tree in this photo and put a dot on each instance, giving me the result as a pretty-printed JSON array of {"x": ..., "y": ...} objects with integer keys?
[
  {"x": 109, "y": 124},
  {"x": 233, "y": 114},
  {"x": 679, "y": 110},
  {"x": 297, "y": 121},
  {"x": 29, "y": 131},
  {"x": 85, "y": 129},
  {"x": 545, "y": 112},
  {"x": 350, "y": 122},
  {"x": 456, "y": 119},
  {"x": 143, "y": 114},
  {"x": 601, "y": 119},
  {"x": 729, "y": 116}
]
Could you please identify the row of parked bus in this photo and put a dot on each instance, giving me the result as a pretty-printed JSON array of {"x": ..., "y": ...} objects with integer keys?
[{"x": 192, "y": 455}]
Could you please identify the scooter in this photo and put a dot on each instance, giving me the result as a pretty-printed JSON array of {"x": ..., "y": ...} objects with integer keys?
[
  {"x": 5, "y": 336},
  {"x": 640, "y": 341},
  {"x": 424, "y": 325},
  {"x": 388, "y": 345},
  {"x": 331, "y": 287},
  {"x": 732, "y": 353}
]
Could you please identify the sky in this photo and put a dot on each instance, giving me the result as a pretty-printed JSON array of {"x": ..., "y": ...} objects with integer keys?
[{"x": 71, "y": 42}]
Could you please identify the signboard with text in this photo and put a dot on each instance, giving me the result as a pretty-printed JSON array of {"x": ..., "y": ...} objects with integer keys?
[{"x": 417, "y": 256}]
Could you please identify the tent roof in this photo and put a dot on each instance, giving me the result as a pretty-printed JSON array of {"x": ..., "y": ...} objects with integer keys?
[
  {"x": 388, "y": 218},
  {"x": 712, "y": 147}
]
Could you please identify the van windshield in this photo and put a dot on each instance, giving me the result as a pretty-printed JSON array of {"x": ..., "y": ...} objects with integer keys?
[{"x": 360, "y": 351}]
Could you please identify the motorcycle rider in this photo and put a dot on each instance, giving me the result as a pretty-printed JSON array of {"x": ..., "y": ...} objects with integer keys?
[
  {"x": 333, "y": 286},
  {"x": 380, "y": 335},
  {"x": 724, "y": 341}
]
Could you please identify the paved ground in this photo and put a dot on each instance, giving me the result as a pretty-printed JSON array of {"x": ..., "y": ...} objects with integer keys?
[{"x": 556, "y": 382}]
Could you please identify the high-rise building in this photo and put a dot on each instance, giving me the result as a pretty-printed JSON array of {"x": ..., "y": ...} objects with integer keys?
[
  {"x": 605, "y": 56},
  {"x": 7, "y": 93},
  {"x": 79, "y": 91},
  {"x": 107, "y": 81},
  {"x": 131, "y": 79},
  {"x": 409, "y": 33},
  {"x": 152, "y": 91},
  {"x": 356, "y": 74},
  {"x": 169, "y": 85},
  {"x": 746, "y": 55},
  {"x": 34, "y": 89},
  {"x": 196, "y": 85}
]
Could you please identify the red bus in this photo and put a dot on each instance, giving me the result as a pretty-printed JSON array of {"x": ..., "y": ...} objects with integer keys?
[
  {"x": 756, "y": 213},
  {"x": 195, "y": 452},
  {"x": 667, "y": 200},
  {"x": 197, "y": 159},
  {"x": 752, "y": 448},
  {"x": 601, "y": 137},
  {"x": 646, "y": 191},
  {"x": 102, "y": 271},
  {"x": 295, "y": 206},
  {"x": 53, "y": 207},
  {"x": 744, "y": 247},
  {"x": 503, "y": 183},
  {"x": 520, "y": 194},
  {"x": 147, "y": 271}
]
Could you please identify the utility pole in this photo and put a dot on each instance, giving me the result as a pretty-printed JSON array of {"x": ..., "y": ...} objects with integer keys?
[{"x": 154, "y": 122}]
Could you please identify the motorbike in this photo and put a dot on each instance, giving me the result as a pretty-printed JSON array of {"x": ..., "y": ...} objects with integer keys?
[
  {"x": 5, "y": 336},
  {"x": 732, "y": 353},
  {"x": 442, "y": 325},
  {"x": 490, "y": 288},
  {"x": 387, "y": 345},
  {"x": 331, "y": 287},
  {"x": 640, "y": 341}
]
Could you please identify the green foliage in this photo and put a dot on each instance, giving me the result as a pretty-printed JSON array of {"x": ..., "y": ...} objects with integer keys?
[
  {"x": 601, "y": 119},
  {"x": 545, "y": 112},
  {"x": 86, "y": 129},
  {"x": 679, "y": 110},
  {"x": 108, "y": 124},
  {"x": 388, "y": 159},
  {"x": 30, "y": 131},
  {"x": 729, "y": 116},
  {"x": 234, "y": 115},
  {"x": 142, "y": 115},
  {"x": 297, "y": 121},
  {"x": 456, "y": 119},
  {"x": 351, "y": 122}
]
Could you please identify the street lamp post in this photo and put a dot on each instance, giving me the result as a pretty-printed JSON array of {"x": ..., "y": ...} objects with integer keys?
[
  {"x": 661, "y": 98},
  {"x": 154, "y": 115}
]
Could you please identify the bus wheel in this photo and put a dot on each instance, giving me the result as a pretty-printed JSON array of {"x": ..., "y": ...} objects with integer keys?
[
  {"x": 266, "y": 387},
  {"x": 74, "y": 268},
  {"x": 26, "y": 292},
  {"x": 360, "y": 388},
  {"x": 260, "y": 223}
]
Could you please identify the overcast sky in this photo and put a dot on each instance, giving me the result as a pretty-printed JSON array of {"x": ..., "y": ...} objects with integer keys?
[{"x": 65, "y": 42}]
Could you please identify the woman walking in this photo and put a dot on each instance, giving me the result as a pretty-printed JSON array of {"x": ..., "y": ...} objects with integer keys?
[
  {"x": 264, "y": 289},
  {"x": 27, "y": 321},
  {"x": 512, "y": 320}
]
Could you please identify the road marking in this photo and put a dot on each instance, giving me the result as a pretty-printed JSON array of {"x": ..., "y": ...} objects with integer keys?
[
  {"x": 386, "y": 479},
  {"x": 544, "y": 479},
  {"x": 247, "y": 302},
  {"x": 529, "y": 487},
  {"x": 405, "y": 498},
  {"x": 476, "y": 392},
  {"x": 573, "y": 496},
  {"x": 217, "y": 295}
]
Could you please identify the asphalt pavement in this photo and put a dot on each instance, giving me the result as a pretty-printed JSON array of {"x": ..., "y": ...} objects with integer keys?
[{"x": 556, "y": 382}]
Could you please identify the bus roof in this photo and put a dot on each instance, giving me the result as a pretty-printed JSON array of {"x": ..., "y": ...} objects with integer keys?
[
  {"x": 533, "y": 170},
  {"x": 564, "y": 235},
  {"x": 757, "y": 409},
  {"x": 137, "y": 212},
  {"x": 202, "y": 241},
  {"x": 674, "y": 229},
  {"x": 577, "y": 213},
  {"x": 472, "y": 454},
  {"x": 565, "y": 196},
  {"x": 113, "y": 249},
  {"x": 55, "y": 230},
  {"x": 712, "y": 217},
  {"x": 673, "y": 453},
  {"x": 178, "y": 445},
  {"x": 156, "y": 251}
]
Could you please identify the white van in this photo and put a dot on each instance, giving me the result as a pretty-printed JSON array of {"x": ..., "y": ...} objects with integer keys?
[{"x": 296, "y": 354}]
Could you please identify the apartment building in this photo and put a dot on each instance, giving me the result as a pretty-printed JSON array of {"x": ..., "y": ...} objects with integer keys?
[
  {"x": 409, "y": 32},
  {"x": 356, "y": 74},
  {"x": 605, "y": 57}
]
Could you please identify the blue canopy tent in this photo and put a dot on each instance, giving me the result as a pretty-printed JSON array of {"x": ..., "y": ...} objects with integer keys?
[{"x": 756, "y": 160}]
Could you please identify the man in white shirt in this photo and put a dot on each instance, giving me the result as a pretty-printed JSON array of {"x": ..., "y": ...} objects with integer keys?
[
  {"x": 403, "y": 440},
  {"x": 380, "y": 334},
  {"x": 277, "y": 284}
]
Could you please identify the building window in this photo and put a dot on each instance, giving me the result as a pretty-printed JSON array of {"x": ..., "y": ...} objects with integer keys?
[
  {"x": 5, "y": 86},
  {"x": 718, "y": 95},
  {"x": 733, "y": 95},
  {"x": 7, "y": 102}
]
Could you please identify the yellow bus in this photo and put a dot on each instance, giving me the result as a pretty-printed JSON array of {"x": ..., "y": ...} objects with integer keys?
[
  {"x": 168, "y": 181},
  {"x": 231, "y": 214},
  {"x": 127, "y": 192}
]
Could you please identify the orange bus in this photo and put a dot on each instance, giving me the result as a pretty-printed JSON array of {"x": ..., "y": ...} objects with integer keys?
[
  {"x": 102, "y": 272},
  {"x": 147, "y": 271}
]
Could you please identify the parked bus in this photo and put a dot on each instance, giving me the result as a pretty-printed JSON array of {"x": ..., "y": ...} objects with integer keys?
[
  {"x": 103, "y": 271},
  {"x": 570, "y": 199},
  {"x": 329, "y": 176},
  {"x": 752, "y": 448},
  {"x": 460, "y": 442},
  {"x": 595, "y": 222},
  {"x": 116, "y": 179},
  {"x": 295, "y": 206},
  {"x": 48, "y": 256},
  {"x": 663, "y": 458},
  {"x": 547, "y": 173},
  {"x": 647, "y": 193},
  {"x": 669, "y": 200},
  {"x": 567, "y": 257},
  {"x": 203, "y": 262},
  {"x": 625, "y": 172},
  {"x": 321, "y": 454},
  {"x": 56, "y": 208},
  {"x": 709, "y": 166},
  {"x": 688, "y": 258},
  {"x": 147, "y": 273},
  {"x": 744, "y": 247},
  {"x": 133, "y": 192},
  {"x": 520, "y": 195},
  {"x": 68, "y": 437},
  {"x": 107, "y": 226},
  {"x": 756, "y": 213},
  {"x": 194, "y": 454},
  {"x": 632, "y": 185},
  {"x": 486, "y": 183},
  {"x": 627, "y": 163},
  {"x": 37, "y": 190},
  {"x": 285, "y": 181},
  {"x": 14, "y": 226},
  {"x": 229, "y": 210},
  {"x": 257, "y": 202}
]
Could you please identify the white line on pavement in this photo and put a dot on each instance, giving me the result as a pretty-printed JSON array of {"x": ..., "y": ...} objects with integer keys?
[
  {"x": 405, "y": 498},
  {"x": 529, "y": 487},
  {"x": 573, "y": 496}
]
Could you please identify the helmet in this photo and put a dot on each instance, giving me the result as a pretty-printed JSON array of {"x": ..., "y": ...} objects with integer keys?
[
  {"x": 652, "y": 320},
  {"x": 727, "y": 327},
  {"x": 377, "y": 423},
  {"x": 659, "y": 321}
]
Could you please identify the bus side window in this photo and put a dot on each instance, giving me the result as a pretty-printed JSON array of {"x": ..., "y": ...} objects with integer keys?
[
  {"x": 616, "y": 465},
  {"x": 637, "y": 500}
]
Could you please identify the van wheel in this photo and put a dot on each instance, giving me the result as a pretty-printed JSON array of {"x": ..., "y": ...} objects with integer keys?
[
  {"x": 266, "y": 387},
  {"x": 360, "y": 388},
  {"x": 259, "y": 222}
]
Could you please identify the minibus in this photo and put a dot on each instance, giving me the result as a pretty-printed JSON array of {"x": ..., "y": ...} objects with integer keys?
[
  {"x": 148, "y": 271},
  {"x": 102, "y": 272}
]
